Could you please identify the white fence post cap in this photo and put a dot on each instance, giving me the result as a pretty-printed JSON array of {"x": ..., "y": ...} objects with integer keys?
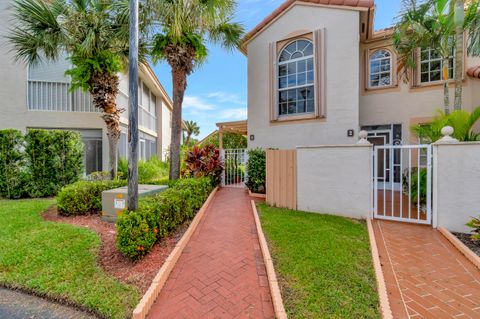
[
  {"x": 363, "y": 138},
  {"x": 447, "y": 138}
]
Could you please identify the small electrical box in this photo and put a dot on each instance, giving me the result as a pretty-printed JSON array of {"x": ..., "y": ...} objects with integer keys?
[{"x": 115, "y": 201}]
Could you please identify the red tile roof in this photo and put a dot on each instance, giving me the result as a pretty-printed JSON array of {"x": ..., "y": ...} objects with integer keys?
[
  {"x": 474, "y": 72},
  {"x": 348, "y": 3}
]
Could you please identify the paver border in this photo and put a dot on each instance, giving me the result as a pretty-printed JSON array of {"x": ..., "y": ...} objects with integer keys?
[
  {"x": 277, "y": 301},
  {"x": 160, "y": 279},
  {"x": 381, "y": 286},
  {"x": 256, "y": 195},
  {"x": 457, "y": 243}
]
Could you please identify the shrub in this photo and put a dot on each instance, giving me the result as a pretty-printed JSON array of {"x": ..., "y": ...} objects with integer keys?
[
  {"x": 55, "y": 159},
  {"x": 158, "y": 215},
  {"x": 148, "y": 171},
  {"x": 417, "y": 189},
  {"x": 256, "y": 168},
  {"x": 84, "y": 197},
  {"x": 203, "y": 161},
  {"x": 475, "y": 224},
  {"x": 12, "y": 164}
]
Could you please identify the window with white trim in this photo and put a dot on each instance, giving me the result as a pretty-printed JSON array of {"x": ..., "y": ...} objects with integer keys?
[
  {"x": 431, "y": 66},
  {"x": 296, "y": 79},
  {"x": 380, "y": 69}
]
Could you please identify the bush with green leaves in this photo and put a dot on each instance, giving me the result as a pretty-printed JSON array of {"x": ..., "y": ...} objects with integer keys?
[
  {"x": 256, "y": 168},
  {"x": 12, "y": 164},
  {"x": 39, "y": 163},
  {"x": 475, "y": 224},
  {"x": 149, "y": 171},
  {"x": 418, "y": 185},
  {"x": 159, "y": 215},
  {"x": 84, "y": 197}
]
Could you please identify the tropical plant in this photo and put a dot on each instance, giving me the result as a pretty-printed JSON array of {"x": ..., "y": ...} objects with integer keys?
[
  {"x": 462, "y": 122},
  {"x": 94, "y": 35},
  {"x": 438, "y": 25},
  {"x": 231, "y": 140},
  {"x": 184, "y": 27},
  {"x": 256, "y": 168},
  {"x": 203, "y": 162},
  {"x": 191, "y": 128},
  {"x": 149, "y": 171},
  {"x": 475, "y": 224},
  {"x": 415, "y": 184}
]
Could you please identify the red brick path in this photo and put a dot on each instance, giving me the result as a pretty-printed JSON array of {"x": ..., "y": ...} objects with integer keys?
[
  {"x": 426, "y": 277},
  {"x": 220, "y": 274}
]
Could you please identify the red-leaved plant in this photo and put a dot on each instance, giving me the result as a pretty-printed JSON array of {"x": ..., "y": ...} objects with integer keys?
[{"x": 203, "y": 161}]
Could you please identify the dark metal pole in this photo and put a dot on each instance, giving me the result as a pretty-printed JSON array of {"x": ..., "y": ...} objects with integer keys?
[{"x": 133, "y": 108}]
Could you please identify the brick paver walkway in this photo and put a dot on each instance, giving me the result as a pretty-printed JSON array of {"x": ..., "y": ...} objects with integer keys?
[
  {"x": 220, "y": 274},
  {"x": 426, "y": 276}
]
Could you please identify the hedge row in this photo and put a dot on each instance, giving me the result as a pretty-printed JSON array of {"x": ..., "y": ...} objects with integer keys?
[
  {"x": 158, "y": 215},
  {"x": 256, "y": 168},
  {"x": 84, "y": 197},
  {"x": 39, "y": 163}
]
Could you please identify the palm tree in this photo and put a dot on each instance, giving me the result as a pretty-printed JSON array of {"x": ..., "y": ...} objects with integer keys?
[
  {"x": 184, "y": 27},
  {"x": 425, "y": 26},
  {"x": 94, "y": 34},
  {"x": 462, "y": 122},
  {"x": 191, "y": 128}
]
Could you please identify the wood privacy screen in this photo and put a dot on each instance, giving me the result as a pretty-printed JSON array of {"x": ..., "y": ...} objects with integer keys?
[{"x": 282, "y": 178}]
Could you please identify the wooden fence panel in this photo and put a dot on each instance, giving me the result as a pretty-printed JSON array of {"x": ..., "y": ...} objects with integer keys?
[{"x": 282, "y": 178}]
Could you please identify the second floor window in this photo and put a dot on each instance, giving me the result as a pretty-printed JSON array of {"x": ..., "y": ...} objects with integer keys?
[
  {"x": 431, "y": 66},
  {"x": 296, "y": 79},
  {"x": 380, "y": 69}
]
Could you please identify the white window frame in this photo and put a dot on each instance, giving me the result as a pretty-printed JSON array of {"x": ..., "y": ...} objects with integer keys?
[
  {"x": 306, "y": 85},
  {"x": 380, "y": 72},
  {"x": 429, "y": 61}
]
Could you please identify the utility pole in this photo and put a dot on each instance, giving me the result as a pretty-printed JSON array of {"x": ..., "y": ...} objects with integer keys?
[{"x": 133, "y": 108}]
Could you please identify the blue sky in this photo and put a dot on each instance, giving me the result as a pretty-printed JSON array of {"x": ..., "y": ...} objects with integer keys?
[{"x": 217, "y": 91}]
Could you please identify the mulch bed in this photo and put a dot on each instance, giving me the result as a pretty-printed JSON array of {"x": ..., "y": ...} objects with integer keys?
[
  {"x": 140, "y": 273},
  {"x": 474, "y": 245}
]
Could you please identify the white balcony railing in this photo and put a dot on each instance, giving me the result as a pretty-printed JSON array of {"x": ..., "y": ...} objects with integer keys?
[{"x": 56, "y": 97}]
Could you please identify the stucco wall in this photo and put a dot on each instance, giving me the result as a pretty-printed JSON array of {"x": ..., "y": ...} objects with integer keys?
[
  {"x": 335, "y": 180},
  {"x": 456, "y": 185},
  {"x": 342, "y": 79},
  {"x": 403, "y": 103},
  {"x": 167, "y": 130}
]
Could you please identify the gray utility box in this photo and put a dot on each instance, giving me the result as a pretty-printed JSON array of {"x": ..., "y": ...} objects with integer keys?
[{"x": 115, "y": 201}]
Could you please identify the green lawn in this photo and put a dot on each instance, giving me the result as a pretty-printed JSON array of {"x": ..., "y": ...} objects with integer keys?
[
  {"x": 323, "y": 263},
  {"x": 57, "y": 260}
]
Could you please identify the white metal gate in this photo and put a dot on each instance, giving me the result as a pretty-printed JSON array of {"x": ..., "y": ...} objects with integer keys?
[
  {"x": 403, "y": 183},
  {"x": 235, "y": 171}
]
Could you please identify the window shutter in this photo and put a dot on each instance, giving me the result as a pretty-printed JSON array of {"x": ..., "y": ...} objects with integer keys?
[
  {"x": 272, "y": 73},
  {"x": 320, "y": 74}
]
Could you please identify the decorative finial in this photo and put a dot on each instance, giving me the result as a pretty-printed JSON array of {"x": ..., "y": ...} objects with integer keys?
[
  {"x": 363, "y": 138},
  {"x": 447, "y": 138}
]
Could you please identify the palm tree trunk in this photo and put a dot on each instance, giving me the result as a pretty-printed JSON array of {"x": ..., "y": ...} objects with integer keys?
[
  {"x": 179, "y": 79},
  {"x": 104, "y": 90},
  {"x": 446, "y": 93},
  {"x": 459, "y": 19}
]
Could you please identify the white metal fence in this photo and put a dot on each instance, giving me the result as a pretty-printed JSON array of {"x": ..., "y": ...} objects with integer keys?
[
  {"x": 403, "y": 183},
  {"x": 235, "y": 171},
  {"x": 56, "y": 96}
]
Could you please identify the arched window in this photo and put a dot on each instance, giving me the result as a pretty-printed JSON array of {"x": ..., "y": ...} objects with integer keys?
[
  {"x": 296, "y": 79},
  {"x": 380, "y": 69}
]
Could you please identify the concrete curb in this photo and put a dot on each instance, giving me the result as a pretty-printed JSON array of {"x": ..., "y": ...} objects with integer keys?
[
  {"x": 158, "y": 282},
  {"x": 381, "y": 286},
  {"x": 256, "y": 195},
  {"x": 457, "y": 243},
  {"x": 272, "y": 277}
]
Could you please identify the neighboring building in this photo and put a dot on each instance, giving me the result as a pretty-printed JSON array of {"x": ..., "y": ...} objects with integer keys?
[
  {"x": 39, "y": 97},
  {"x": 318, "y": 74}
]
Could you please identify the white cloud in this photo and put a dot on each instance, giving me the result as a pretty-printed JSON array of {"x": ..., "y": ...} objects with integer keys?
[
  {"x": 197, "y": 103},
  {"x": 233, "y": 114},
  {"x": 224, "y": 97}
]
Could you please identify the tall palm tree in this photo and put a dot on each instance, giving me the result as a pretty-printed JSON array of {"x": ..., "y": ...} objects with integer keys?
[
  {"x": 94, "y": 35},
  {"x": 191, "y": 128},
  {"x": 184, "y": 27},
  {"x": 425, "y": 26}
]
